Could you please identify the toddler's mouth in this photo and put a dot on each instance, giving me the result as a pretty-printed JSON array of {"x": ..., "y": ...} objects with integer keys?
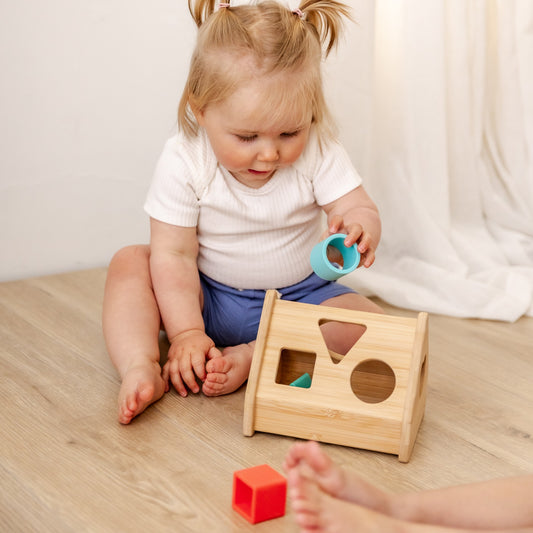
[{"x": 259, "y": 172}]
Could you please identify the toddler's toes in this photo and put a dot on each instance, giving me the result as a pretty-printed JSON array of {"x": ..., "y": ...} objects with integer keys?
[
  {"x": 215, "y": 378},
  {"x": 214, "y": 384},
  {"x": 218, "y": 365},
  {"x": 126, "y": 410}
]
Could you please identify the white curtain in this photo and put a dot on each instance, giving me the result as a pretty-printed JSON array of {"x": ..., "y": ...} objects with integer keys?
[{"x": 450, "y": 157}]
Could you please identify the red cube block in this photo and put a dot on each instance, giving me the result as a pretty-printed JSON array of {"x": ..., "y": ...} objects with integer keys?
[{"x": 259, "y": 493}]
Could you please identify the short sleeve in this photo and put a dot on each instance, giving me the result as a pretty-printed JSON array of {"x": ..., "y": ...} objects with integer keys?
[
  {"x": 172, "y": 197},
  {"x": 334, "y": 174}
]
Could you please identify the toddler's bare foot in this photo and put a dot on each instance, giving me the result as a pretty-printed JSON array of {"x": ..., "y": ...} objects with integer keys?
[
  {"x": 310, "y": 458},
  {"x": 227, "y": 373},
  {"x": 319, "y": 466},
  {"x": 141, "y": 386},
  {"x": 316, "y": 511}
]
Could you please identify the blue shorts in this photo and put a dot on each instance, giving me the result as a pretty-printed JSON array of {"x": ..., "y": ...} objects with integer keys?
[{"x": 231, "y": 316}]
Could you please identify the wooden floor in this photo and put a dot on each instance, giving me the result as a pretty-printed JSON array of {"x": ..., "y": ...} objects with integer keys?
[{"x": 67, "y": 465}]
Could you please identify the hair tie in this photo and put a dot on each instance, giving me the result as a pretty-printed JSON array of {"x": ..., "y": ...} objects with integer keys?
[
  {"x": 223, "y": 5},
  {"x": 299, "y": 13}
]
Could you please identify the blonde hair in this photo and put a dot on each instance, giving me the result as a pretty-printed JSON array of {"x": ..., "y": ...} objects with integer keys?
[{"x": 276, "y": 40}]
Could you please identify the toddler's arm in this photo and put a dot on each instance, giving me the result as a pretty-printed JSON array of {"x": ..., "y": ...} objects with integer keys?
[
  {"x": 356, "y": 215},
  {"x": 174, "y": 271}
]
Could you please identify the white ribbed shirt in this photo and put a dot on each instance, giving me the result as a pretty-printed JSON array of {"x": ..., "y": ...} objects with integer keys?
[{"x": 249, "y": 238}]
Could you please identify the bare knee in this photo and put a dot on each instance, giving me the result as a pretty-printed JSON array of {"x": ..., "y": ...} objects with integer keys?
[
  {"x": 128, "y": 262},
  {"x": 372, "y": 307},
  {"x": 131, "y": 253}
]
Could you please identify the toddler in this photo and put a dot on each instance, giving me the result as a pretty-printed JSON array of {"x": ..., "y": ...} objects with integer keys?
[
  {"x": 236, "y": 206},
  {"x": 326, "y": 498}
]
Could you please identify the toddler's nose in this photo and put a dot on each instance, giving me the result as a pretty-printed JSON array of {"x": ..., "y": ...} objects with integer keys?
[{"x": 268, "y": 152}]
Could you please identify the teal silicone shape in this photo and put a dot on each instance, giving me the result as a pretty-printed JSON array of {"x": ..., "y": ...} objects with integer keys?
[
  {"x": 324, "y": 268},
  {"x": 304, "y": 381}
]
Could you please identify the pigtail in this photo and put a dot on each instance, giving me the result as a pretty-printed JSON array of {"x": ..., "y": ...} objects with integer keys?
[
  {"x": 225, "y": 29},
  {"x": 201, "y": 10},
  {"x": 326, "y": 17}
]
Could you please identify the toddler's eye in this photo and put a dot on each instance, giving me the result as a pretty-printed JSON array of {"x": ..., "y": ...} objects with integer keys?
[
  {"x": 290, "y": 133},
  {"x": 246, "y": 138}
]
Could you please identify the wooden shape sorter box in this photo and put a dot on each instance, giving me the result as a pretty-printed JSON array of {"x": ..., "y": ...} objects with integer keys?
[{"x": 372, "y": 398}]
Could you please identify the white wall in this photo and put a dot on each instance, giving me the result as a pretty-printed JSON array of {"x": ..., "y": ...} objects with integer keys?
[{"x": 88, "y": 94}]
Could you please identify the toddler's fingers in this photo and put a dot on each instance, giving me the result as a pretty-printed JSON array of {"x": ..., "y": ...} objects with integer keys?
[
  {"x": 367, "y": 258},
  {"x": 189, "y": 378},
  {"x": 175, "y": 378},
  {"x": 198, "y": 365},
  {"x": 214, "y": 352},
  {"x": 353, "y": 234},
  {"x": 364, "y": 243},
  {"x": 335, "y": 224}
]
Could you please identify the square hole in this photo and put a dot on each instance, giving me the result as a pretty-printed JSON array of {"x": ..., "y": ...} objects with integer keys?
[{"x": 293, "y": 364}]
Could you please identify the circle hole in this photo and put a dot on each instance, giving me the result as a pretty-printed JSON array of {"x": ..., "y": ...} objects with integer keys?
[{"x": 373, "y": 381}]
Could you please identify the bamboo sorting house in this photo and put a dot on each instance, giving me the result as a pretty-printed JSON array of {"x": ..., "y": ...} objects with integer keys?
[{"x": 373, "y": 397}]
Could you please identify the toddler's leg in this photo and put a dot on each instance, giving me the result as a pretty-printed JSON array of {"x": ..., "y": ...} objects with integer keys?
[
  {"x": 501, "y": 504},
  {"x": 131, "y": 323}
]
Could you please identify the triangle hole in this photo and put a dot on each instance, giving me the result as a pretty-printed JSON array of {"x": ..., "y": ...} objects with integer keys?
[{"x": 340, "y": 337}]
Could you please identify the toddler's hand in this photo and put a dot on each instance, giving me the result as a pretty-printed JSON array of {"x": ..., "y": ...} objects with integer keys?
[
  {"x": 186, "y": 360},
  {"x": 355, "y": 233}
]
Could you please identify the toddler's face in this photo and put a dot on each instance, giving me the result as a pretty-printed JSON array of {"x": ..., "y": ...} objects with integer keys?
[{"x": 245, "y": 138}]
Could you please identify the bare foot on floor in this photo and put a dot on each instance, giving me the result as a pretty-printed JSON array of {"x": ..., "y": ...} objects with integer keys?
[
  {"x": 227, "y": 373},
  {"x": 316, "y": 511},
  {"x": 311, "y": 459},
  {"x": 309, "y": 455},
  {"x": 141, "y": 386}
]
